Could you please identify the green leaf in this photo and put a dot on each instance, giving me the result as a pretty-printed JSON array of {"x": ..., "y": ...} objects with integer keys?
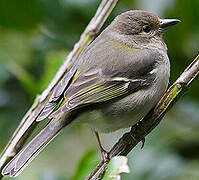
[
  {"x": 86, "y": 164},
  {"x": 116, "y": 166}
]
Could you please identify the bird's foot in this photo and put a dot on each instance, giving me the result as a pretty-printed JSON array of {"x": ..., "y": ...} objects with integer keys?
[
  {"x": 133, "y": 128},
  {"x": 105, "y": 155}
]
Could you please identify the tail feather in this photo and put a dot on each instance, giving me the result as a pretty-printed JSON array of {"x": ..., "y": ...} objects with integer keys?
[{"x": 26, "y": 155}]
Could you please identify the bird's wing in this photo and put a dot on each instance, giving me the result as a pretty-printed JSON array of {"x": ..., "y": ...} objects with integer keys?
[
  {"x": 57, "y": 94},
  {"x": 93, "y": 87},
  {"x": 100, "y": 77}
]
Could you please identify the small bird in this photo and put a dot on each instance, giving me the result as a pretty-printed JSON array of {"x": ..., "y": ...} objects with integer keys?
[{"x": 118, "y": 78}]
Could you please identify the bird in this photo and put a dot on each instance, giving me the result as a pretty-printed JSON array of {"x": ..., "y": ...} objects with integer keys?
[{"x": 117, "y": 78}]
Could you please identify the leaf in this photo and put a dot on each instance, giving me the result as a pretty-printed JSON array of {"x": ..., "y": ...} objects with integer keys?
[
  {"x": 86, "y": 164},
  {"x": 116, "y": 166}
]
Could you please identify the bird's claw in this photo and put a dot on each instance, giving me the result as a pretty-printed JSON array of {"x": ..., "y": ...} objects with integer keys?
[
  {"x": 143, "y": 143},
  {"x": 105, "y": 156}
]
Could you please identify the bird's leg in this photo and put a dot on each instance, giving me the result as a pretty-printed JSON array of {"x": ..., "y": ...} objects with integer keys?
[{"x": 104, "y": 154}]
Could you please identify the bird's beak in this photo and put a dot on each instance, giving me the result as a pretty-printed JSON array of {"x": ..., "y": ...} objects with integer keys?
[{"x": 167, "y": 23}]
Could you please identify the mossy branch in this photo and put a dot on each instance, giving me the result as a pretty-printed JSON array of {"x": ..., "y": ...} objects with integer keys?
[{"x": 138, "y": 132}]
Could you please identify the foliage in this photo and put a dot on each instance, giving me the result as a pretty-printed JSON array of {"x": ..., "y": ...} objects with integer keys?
[{"x": 116, "y": 166}]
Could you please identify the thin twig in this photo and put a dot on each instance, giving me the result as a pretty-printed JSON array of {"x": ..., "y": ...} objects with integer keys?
[
  {"x": 129, "y": 140},
  {"x": 26, "y": 125}
]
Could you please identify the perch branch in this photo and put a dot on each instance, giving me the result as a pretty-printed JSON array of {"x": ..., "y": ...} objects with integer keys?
[
  {"x": 28, "y": 122},
  {"x": 138, "y": 132}
]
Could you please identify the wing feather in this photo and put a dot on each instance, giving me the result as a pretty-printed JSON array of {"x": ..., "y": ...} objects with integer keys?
[
  {"x": 57, "y": 94},
  {"x": 97, "y": 89}
]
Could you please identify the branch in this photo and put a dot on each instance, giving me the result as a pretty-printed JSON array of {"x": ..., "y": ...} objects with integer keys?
[
  {"x": 138, "y": 132},
  {"x": 28, "y": 123}
]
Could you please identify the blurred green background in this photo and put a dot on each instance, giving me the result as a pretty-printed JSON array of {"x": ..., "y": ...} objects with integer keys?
[{"x": 35, "y": 38}]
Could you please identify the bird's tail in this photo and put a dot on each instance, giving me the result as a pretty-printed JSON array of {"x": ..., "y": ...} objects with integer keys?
[{"x": 27, "y": 154}]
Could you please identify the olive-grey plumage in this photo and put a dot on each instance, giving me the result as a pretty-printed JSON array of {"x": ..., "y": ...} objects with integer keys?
[{"x": 119, "y": 77}]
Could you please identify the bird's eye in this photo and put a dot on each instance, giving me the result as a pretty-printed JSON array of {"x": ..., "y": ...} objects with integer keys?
[{"x": 147, "y": 29}]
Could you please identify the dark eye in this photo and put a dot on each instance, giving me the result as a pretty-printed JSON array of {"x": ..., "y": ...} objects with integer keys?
[{"x": 147, "y": 29}]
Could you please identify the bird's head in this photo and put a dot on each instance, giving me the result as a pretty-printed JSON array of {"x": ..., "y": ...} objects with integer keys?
[{"x": 143, "y": 27}]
